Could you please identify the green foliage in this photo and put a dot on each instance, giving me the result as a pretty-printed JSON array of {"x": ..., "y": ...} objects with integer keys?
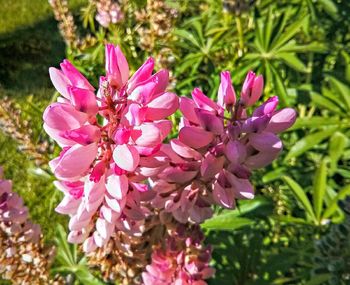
[{"x": 302, "y": 47}]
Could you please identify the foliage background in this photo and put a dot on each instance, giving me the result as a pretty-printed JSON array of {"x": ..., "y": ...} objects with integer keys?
[{"x": 297, "y": 230}]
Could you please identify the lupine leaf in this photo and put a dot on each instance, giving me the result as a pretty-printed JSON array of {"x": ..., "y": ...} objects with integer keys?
[{"x": 319, "y": 188}]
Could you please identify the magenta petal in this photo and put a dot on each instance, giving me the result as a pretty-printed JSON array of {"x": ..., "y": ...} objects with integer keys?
[
  {"x": 243, "y": 189},
  {"x": 76, "y": 161},
  {"x": 187, "y": 107},
  {"x": 210, "y": 122},
  {"x": 126, "y": 157},
  {"x": 162, "y": 106},
  {"x": 203, "y": 102},
  {"x": 123, "y": 65},
  {"x": 211, "y": 165},
  {"x": 177, "y": 175},
  {"x": 83, "y": 100},
  {"x": 257, "y": 89},
  {"x": 265, "y": 141},
  {"x": 59, "y": 81},
  {"x": 163, "y": 81},
  {"x": 144, "y": 92},
  {"x": 75, "y": 77},
  {"x": 135, "y": 114},
  {"x": 183, "y": 150},
  {"x": 164, "y": 127},
  {"x": 282, "y": 120},
  {"x": 63, "y": 117},
  {"x": 226, "y": 94},
  {"x": 117, "y": 186},
  {"x": 267, "y": 108},
  {"x": 235, "y": 152},
  {"x": 85, "y": 135},
  {"x": 195, "y": 137},
  {"x": 223, "y": 196},
  {"x": 142, "y": 74}
]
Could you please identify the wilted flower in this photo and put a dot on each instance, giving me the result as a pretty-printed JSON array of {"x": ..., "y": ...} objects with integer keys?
[
  {"x": 110, "y": 144},
  {"x": 218, "y": 146},
  {"x": 23, "y": 258},
  {"x": 182, "y": 260},
  {"x": 108, "y": 12}
]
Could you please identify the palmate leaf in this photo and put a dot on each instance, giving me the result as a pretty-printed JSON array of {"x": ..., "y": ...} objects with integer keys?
[
  {"x": 341, "y": 89},
  {"x": 324, "y": 102},
  {"x": 333, "y": 205},
  {"x": 336, "y": 148},
  {"x": 293, "y": 61},
  {"x": 314, "y": 122},
  {"x": 227, "y": 221}
]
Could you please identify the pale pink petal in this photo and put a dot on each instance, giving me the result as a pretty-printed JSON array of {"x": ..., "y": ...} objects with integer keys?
[
  {"x": 117, "y": 186},
  {"x": 126, "y": 157},
  {"x": 148, "y": 134},
  {"x": 162, "y": 106}
]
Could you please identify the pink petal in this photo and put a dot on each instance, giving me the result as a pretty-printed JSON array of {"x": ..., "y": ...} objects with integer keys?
[
  {"x": 84, "y": 135},
  {"x": 210, "y": 122},
  {"x": 162, "y": 106},
  {"x": 59, "y": 81},
  {"x": 63, "y": 117},
  {"x": 242, "y": 187},
  {"x": 281, "y": 120},
  {"x": 147, "y": 134},
  {"x": 211, "y": 165},
  {"x": 203, "y": 102},
  {"x": 89, "y": 245},
  {"x": 226, "y": 94},
  {"x": 135, "y": 114},
  {"x": 123, "y": 65},
  {"x": 183, "y": 150},
  {"x": 142, "y": 74},
  {"x": 164, "y": 127},
  {"x": 187, "y": 107},
  {"x": 74, "y": 76},
  {"x": 223, "y": 196},
  {"x": 76, "y": 161},
  {"x": 195, "y": 137},
  {"x": 267, "y": 108},
  {"x": 126, "y": 157},
  {"x": 84, "y": 100},
  {"x": 104, "y": 228}
]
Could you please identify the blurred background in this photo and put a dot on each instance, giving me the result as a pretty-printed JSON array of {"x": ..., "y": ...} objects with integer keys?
[{"x": 297, "y": 229}]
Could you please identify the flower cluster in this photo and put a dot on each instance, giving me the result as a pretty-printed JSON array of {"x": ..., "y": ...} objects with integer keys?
[
  {"x": 184, "y": 260},
  {"x": 218, "y": 146},
  {"x": 23, "y": 259},
  {"x": 108, "y": 12},
  {"x": 113, "y": 150},
  {"x": 110, "y": 143}
]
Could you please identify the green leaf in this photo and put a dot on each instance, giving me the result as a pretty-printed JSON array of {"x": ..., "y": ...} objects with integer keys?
[
  {"x": 319, "y": 188},
  {"x": 293, "y": 61},
  {"x": 333, "y": 205},
  {"x": 300, "y": 196},
  {"x": 324, "y": 102},
  {"x": 227, "y": 221},
  {"x": 309, "y": 142},
  {"x": 273, "y": 175},
  {"x": 314, "y": 122},
  {"x": 280, "y": 88},
  {"x": 289, "y": 32},
  {"x": 318, "y": 279},
  {"x": 330, "y": 8},
  {"x": 342, "y": 90},
  {"x": 337, "y": 144}
]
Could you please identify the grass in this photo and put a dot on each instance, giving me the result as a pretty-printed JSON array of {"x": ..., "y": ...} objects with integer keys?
[{"x": 29, "y": 44}]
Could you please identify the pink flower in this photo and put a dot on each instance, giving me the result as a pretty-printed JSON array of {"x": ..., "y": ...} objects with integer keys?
[
  {"x": 110, "y": 143},
  {"x": 184, "y": 261},
  {"x": 215, "y": 153}
]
